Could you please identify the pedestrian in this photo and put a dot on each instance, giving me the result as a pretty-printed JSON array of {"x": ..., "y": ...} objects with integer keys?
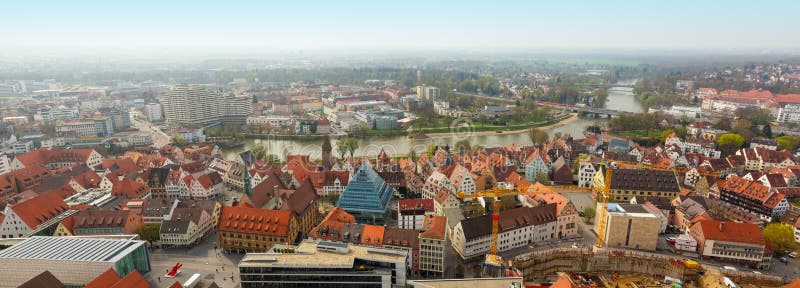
[{"x": 159, "y": 279}]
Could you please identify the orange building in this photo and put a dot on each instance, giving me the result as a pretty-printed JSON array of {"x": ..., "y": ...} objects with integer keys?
[{"x": 255, "y": 230}]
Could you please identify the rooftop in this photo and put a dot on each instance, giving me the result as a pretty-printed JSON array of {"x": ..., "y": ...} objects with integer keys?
[
  {"x": 71, "y": 249},
  {"x": 307, "y": 254}
]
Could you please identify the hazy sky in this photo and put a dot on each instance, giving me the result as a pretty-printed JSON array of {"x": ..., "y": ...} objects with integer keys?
[{"x": 245, "y": 26}]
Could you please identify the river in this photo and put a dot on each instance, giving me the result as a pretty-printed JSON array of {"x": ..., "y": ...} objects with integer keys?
[{"x": 619, "y": 98}]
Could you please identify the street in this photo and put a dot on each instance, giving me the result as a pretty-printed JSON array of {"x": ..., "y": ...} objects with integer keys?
[
  {"x": 160, "y": 139},
  {"x": 203, "y": 259}
]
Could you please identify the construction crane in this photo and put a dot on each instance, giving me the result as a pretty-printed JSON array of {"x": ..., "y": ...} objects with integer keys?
[
  {"x": 676, "y": 169},
  {"x": 604, "y": 193},
  {"x": 493, "y": 265},
  {"x": 496, "y": 193}
]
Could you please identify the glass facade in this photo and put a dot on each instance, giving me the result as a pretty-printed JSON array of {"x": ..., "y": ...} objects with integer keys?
[
  {"x": 366, "y": 196},
  {"x": 139, "y": 259}
]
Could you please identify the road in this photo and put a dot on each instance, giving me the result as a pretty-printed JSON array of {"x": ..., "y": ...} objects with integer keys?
[{"x": 160, "y": 139}]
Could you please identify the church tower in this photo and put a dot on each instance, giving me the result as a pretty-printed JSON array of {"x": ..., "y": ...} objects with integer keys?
[{"x": 327, "y": 158}]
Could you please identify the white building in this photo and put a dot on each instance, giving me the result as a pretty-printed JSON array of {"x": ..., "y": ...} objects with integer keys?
[
  {"x": 586, "y": 174},
  {"x": 518, "y": 227},
  {"x": 428, "y": 93},
  {"x": 271, "y": 120},
  {"x": 21, "y": 147},
  {"x": 789, "y": 114},
  {"x": 411, "y": 212},
  {"x": 77, "y": 129},
  {"x": 153, "y": 112},
  {"x": 5, "y": 165},
  {"x": 435, "y": 183}
]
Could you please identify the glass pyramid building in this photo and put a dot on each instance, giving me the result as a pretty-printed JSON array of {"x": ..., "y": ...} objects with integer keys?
[{"x": 366, "y": 196}]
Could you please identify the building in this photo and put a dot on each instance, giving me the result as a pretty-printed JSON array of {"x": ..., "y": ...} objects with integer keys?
[
  {"x": 732, "y": 242},
  {"x": 518, "y": 227},
  {"x": 432, "y": 246},
  {"x": 790, "y": 113},
  {"x": 411, "y": 213},
  {"x": 21, "y": 147},
  {"x": 586, "y": 174},
  {"x": 203, "y": 105},
  {"x": 153, "y": 112},
  {"x": 627, "y": 183},
  {"x": 112, "y": 280},
  {"x": 629, "y": 226},
  {"x": 367, "y": 195},
  {"x": 752, "y": 196},
  {"x": 324, "y": 264},
  {"x": 100, "y": 222},
  {"x": 568, "y": 221},
  {"x": 254, "y": 230},
  {"x": 69, "y": 260},
  {"x": 25, "y": 217},
  {"x": 428, "y": 93},
  {"x": 186, "y": 227},
  {"x": 5, "y": 165},
  {"x": 57, "y": 158}
]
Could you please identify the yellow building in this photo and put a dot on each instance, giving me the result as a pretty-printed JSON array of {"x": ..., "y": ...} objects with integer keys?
[
  {"x": 629, "y": 226},
  {"x": 627, "y": 183}
]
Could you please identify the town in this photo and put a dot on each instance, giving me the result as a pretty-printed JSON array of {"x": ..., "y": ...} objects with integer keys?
[
  {"x": 413, "y": 144},
  {"x": 167, "y": 191}
]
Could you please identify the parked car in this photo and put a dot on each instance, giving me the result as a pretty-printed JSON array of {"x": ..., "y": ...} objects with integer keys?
[
  {"x": 784, "y": 260},
  {"x": 793, "y": 254}
]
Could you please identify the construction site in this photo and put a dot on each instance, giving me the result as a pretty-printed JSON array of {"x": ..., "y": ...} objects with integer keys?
[{"x": 632, "y": 269}]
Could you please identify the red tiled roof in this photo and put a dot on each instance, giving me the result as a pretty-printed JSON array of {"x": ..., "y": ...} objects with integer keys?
[
  {"x": 731, "y": 232},
  {"x": 128, "y": 188},
  {"x": 132, "y": 280},
  {"x": 415, "y": 204},
  {"x": 254, "y": 221},
  {"x": 434, "y": 227},
  {"x": 372, "y": 235},
  {"x": 44, "y": 156},
  {"x": 105, "y": 280},
  {"x": 39, "y": 209}
]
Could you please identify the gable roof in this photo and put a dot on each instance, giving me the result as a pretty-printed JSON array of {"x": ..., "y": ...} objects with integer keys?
[
  {"x": 43, "y": 280},
  {"x": 480, "y": 226},
  {"x": 302, "y": 198},
  {"x": 132, "y": 280},
  {"x": 254, "y": 221},
  {"x": 731, "y": 231},
  {"x": 107, "y": 279},
  {"x": 39, "y": 209}
]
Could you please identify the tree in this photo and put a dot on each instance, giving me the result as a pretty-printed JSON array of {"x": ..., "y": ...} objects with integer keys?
[
  {"x": 149, "y": 232},
  {"x": 788, "y": 142},
  {"x": 542, "y": 177},
  {"x": 756, "y": 116},
  {"x": 665, "y": 134},
  {"x": 767, "y": 130},
  {"x": 259, "y": 151},
  {"x": 538, "y": 136},
  {"x": 729, "y": 143},
  {"x": 347, "y": 145},
  {"x": 588, "y": 214},
  {"x": 724, "y": 123},
  {"x": 781, "y": 236},
  {"x": 178, "y": 139}
]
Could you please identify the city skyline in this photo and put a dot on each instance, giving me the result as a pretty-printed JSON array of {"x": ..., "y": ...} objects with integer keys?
[{"x": 150, "y": 27}]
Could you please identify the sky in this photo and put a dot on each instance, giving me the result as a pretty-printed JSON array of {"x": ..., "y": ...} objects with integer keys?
[{"x": 141, "y": 26}]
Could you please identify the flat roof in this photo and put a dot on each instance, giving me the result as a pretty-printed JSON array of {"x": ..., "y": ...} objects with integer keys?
[
  {"x": 71, "y": 249},
  {"x": 636, "y": 210},
  {"x": 306, "y": 255}
]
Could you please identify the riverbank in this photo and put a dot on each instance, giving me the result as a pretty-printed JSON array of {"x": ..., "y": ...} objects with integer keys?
[{"x": 566, "y": 121}]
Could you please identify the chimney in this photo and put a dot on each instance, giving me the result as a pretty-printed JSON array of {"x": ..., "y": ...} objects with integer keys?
[{"x": 120, "y": 176}]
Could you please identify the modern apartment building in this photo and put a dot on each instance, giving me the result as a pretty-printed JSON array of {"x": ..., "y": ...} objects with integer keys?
[{"x": 204, "y": 105}]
